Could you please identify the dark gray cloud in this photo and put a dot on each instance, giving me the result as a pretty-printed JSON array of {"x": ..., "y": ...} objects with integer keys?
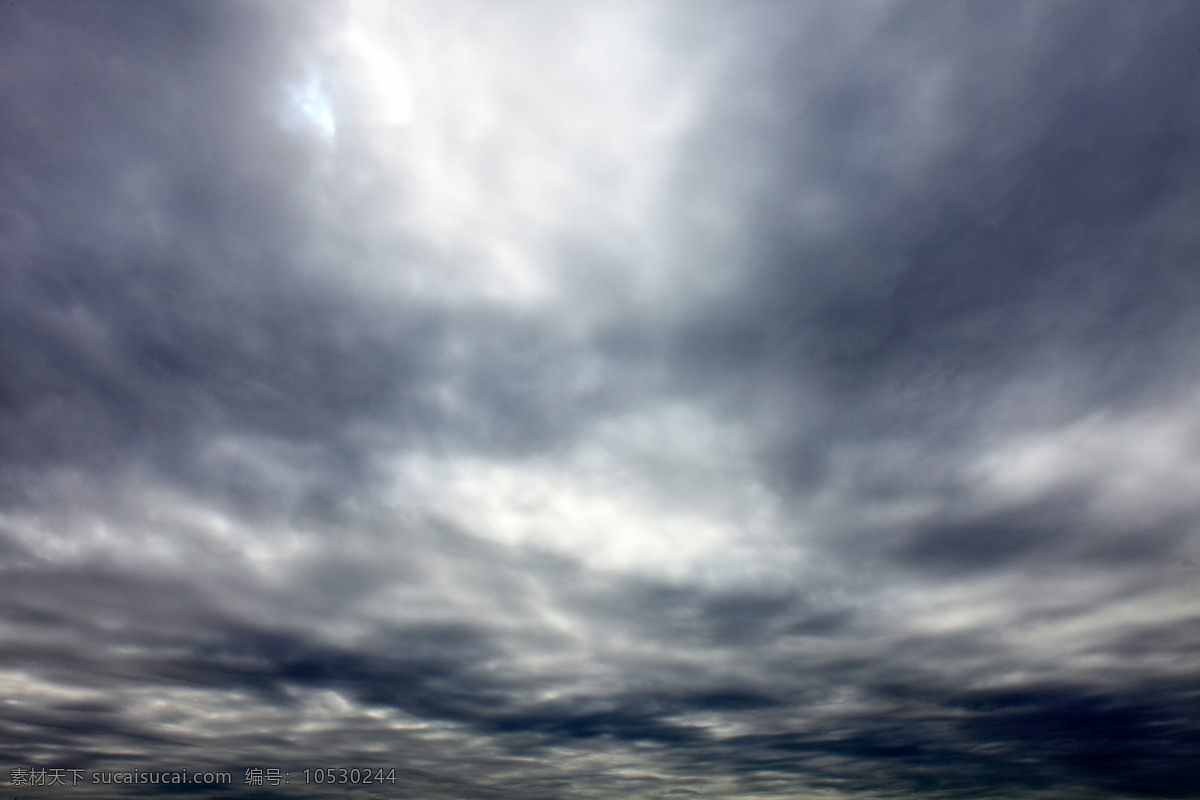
[{"x": 589, "y": 400}]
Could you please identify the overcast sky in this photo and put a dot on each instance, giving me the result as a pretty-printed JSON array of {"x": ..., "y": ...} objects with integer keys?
[{"x": 589, "y": 400}]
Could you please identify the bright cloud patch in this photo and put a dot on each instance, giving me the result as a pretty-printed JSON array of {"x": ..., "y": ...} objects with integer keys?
[{"x": 310, "y": 103}]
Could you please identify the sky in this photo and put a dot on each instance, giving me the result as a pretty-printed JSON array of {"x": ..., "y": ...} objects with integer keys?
[{"x": 586, "y": 400}]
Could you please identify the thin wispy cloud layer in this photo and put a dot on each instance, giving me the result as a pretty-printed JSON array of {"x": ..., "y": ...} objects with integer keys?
[{"x": 598, "y": 400}]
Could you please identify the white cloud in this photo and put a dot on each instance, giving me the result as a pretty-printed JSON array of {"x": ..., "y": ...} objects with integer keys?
[
  {"x": 1143, "y": 465},
  {"x": 509, "y": 135},
  {"x": 669, "y": 494}
]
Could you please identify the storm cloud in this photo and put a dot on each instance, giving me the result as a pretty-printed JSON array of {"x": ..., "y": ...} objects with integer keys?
[{"x": 596, "y": 400}]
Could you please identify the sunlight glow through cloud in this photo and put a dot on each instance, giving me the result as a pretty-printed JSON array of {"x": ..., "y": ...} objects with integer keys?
[
  {"x": 598, "y": 121},
  {"x": 311, "y": 103}
]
